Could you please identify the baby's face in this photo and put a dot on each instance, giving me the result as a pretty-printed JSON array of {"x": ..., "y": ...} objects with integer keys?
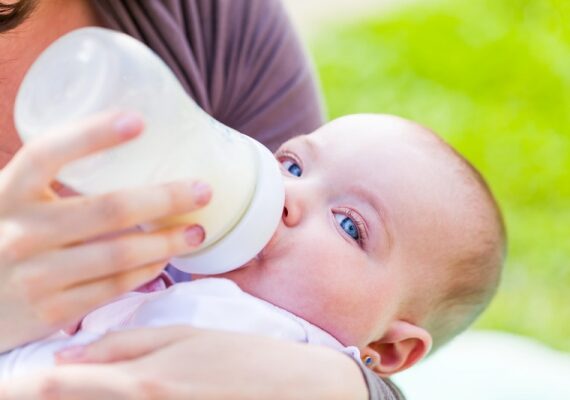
[{"x": 361, "y": 224}]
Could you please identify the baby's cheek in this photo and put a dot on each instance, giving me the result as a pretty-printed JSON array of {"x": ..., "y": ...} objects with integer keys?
[{"x": 326, "y": 295}]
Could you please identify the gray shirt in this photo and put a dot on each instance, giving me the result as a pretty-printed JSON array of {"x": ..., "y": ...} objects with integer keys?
[
  {"x": 240, "y": 60},
  {"x": 242, "y": 63}
]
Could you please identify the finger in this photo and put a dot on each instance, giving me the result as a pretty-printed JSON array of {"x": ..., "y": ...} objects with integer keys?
[
  {"x": 77, "y": 219},
  {"x": 67, "y": 305},
  {"x": 125, "y": 345},
  {"x": 35, "y": 166},
  {"x": 75, "y": 265},
  {"x": 78, "y": 382}
]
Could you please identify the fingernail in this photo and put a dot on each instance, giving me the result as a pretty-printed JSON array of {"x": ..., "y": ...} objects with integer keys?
[
  {"x": 194, "y": 235},
  {"x": 128, "y": 125},
  {"x": 202, "y": 193},
  {"x": 73, "y": 353}
]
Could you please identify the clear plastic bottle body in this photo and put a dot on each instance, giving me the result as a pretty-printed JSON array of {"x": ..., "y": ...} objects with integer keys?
[{"x": 93, "y": 70}]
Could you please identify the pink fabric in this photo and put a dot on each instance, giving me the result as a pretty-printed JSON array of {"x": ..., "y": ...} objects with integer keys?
[
  {"x": 212, "y": 303},
  {"x": 161, "y": 282}
]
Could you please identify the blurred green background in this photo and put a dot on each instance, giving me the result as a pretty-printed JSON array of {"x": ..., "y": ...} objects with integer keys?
[{"x": 493, "y": 78}]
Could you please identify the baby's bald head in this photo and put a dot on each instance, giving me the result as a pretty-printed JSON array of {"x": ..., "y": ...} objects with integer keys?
[
  {"x": 474, "y": 270},
  {"x": 469, "y": 273}
]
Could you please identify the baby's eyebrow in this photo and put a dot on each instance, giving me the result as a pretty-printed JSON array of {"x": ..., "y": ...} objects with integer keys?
[{"x": 312, "y": 147}]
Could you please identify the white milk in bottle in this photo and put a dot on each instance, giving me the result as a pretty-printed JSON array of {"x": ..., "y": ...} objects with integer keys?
[{"x": 92, "y": 70}]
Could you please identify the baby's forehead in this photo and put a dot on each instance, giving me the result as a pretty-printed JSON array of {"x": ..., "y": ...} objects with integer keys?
[
  {"x": 376, "y": 130},
  {"x": 400, "y": 155},
  {"x": 401, "y": 160},
  {"x": 377, "y": 139}
]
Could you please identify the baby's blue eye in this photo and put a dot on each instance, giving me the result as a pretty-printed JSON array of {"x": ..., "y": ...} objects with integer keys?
[
  {"x": 292, "y": 167},
  {"x": 348, "y": 225}
]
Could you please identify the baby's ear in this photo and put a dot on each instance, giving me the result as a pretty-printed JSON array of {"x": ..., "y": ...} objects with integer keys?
[{"x": 403, "y": 345}]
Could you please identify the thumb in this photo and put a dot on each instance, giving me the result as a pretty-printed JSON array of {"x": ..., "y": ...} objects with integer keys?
[{"x": 124, "y": 345}]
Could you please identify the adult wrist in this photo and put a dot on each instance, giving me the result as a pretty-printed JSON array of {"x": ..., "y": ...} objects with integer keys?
[{"x": 349, "y": 380}]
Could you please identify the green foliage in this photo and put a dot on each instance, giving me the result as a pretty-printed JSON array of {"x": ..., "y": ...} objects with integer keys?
[{"x": 493, "y": 78}]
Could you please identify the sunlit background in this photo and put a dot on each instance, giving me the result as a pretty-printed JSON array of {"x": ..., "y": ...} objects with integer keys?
[{"x": 493, "y": 78}]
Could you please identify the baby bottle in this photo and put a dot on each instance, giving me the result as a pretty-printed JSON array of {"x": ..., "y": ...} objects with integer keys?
[{"x": 91, "y": 70}]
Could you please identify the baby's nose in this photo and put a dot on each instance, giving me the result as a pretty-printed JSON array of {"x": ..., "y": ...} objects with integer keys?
[
  {"x": 297, "y": 192},
  {"x": 291, "y": 214}
]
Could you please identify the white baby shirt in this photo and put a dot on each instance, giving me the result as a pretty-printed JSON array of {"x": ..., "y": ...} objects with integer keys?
[{"x": 211, "y": 303}]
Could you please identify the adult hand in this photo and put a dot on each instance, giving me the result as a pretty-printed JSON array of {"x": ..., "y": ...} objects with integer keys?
[
  {"x": 186, "y": 363},
  {"x": 52, "y": 272}
]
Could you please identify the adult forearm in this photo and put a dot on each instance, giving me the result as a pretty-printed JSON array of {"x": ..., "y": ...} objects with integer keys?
[
  {"x": 332, "y": 376},
  {"x": 184, "y": 363}
]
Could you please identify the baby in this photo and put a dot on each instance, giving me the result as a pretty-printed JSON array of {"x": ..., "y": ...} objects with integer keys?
[{"x": 390, "y": 245}]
